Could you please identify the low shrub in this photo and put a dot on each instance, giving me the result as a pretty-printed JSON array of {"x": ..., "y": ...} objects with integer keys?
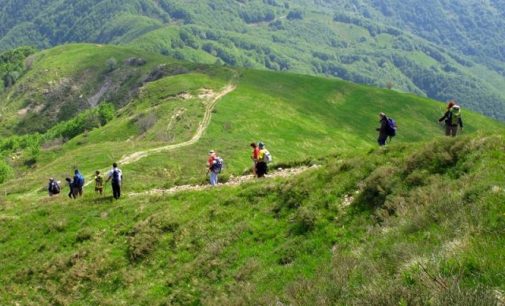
[
  {"x": 5, "y": 171},
  {"x": 305, "y": 220}
]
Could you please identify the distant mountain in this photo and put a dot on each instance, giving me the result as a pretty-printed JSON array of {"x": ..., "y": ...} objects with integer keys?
[{"x": 442, "y": 49}]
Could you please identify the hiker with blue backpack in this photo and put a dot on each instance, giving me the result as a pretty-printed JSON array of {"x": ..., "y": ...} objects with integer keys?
[
  {"x": 452, "y": 118},
  {"x": 116, "y": 178},
  {"x": 214, "y": 167},
  {"x": 77, "y": 183},
  {"x": 386, "y": 130},
  {"x": 264, "y": 158}
]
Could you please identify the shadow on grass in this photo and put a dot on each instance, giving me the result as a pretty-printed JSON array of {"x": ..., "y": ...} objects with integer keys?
[{"x": 102, "y": 200}]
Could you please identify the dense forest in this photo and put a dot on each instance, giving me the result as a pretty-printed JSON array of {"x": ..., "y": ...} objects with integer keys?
[{"x": 443, "y": 49}]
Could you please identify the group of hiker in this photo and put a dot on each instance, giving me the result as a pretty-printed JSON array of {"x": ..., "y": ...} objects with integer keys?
[
  {"x": 260, "y": 157},
  {"x": 77, "y": 182},
  {"x": 452, "y": 120}
]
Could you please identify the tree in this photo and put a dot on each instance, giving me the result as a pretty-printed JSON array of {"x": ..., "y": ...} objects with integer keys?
[{"x": 111, "y": 64}]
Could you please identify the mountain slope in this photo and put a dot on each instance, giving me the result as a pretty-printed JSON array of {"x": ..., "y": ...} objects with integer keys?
[
  {"x": 412, "y": 224},
  {"x": 379, "y": 43},
  {"x": 163, "y": 103},
  {"x": 419, "y": 221}
]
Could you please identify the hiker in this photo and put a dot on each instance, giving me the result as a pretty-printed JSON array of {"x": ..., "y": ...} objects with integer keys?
[
  {"x": 384, "y": 130},
  {"x": 78, "y": 183},
  {"x": 254, "y": 156},
  {"x": 264, "y": 158},
  {"x": 53, "y": 188},
  {"x": 452, "y": 118},
  {"x": 213, "y": 167},
  {"x": 116, "y": 175},
  {"x": 72, "y": 191},
  {"x": 98, "y": 183}
]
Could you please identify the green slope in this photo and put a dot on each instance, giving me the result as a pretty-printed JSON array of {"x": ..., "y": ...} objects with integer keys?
[
  {"x": 417, "y": 222},
  {"x": 299, "y": 117},
  {"x": 412, "y": 224}
]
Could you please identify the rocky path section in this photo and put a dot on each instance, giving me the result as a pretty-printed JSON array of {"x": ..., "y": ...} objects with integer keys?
[{"x": 233, "y": 181}]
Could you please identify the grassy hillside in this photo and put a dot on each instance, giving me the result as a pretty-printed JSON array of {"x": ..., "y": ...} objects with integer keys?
[
  {"x": 163, "y": 103},
  {"x": 412, "y": 224},
  {"x": 446, "y": 49},
  {"x": 417, "y": 222}
]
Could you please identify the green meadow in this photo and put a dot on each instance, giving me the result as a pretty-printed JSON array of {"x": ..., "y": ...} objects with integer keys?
[{"x": 418, "y": 222}]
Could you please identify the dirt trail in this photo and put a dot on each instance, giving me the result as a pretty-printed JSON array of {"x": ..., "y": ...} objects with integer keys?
[
  {"x": 233, "y": 181},
  {"x": 134, "y": 157}
]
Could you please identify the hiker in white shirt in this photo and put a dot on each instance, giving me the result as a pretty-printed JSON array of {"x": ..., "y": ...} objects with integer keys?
[{"x": 116, "y": 175}]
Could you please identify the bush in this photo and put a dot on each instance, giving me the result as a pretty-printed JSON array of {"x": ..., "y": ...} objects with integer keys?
[
  {"x": 305, "y": 220},
  {"x": 5, "y": 171},
  {"x": 295, "y": 14},
  {"x": 85, "y": 121},
  {"x": 377, "y": 187},
  {"x": 146, "y": 121},
  {"x": 142, "y": 241},
  {"x": 84, "y": 235},
  {"x": 111, "y": 64}
]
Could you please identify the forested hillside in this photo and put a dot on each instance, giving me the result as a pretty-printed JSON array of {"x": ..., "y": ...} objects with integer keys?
[{"x": 440, "y": 49}]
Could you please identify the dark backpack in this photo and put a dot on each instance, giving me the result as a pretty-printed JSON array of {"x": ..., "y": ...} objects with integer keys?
[
  {"x": 391, "y": 127},
  {"x": 78, "y": 180},
  {"x": 54, "y": 188},
  {"x": 116, "y": 176},
  {"x": 218, "y": 165}
]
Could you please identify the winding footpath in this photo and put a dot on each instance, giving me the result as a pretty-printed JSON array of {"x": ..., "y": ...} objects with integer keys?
[{"x": 134, "y": 157}]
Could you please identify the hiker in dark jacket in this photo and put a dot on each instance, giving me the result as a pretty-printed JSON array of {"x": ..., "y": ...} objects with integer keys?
[
  {"x": 383, "y": 129},
  {"x": 53, "y": 188},
  {"x": 452, "y": 119},
  {"x": 73, "y": 191},
  {"x": 77, "y": 183}
]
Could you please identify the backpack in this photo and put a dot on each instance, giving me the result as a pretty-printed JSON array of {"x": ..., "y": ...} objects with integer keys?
[
  {"x": 78, "y": 180},
  {"x": 116, "y": 176},
  {"x": 455, "y": 115},
  {"x": 218, "y": 164},
  {"x": 267, "y": 157},
  {"x": 54, "y": 188},
  {"x": 392, "y": 127}
]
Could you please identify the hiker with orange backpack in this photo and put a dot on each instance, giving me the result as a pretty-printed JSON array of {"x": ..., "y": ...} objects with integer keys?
[{"x": 264, "y": 158}]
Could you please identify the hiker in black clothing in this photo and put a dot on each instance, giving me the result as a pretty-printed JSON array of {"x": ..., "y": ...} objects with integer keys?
[
  {"x": 116, "y": 175},
  {"x": 73, "y": 191},
  {"x": 452, "y": 119},
  {"x": 383, "y": 129},
  {"x": 53, "y": 188}
]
